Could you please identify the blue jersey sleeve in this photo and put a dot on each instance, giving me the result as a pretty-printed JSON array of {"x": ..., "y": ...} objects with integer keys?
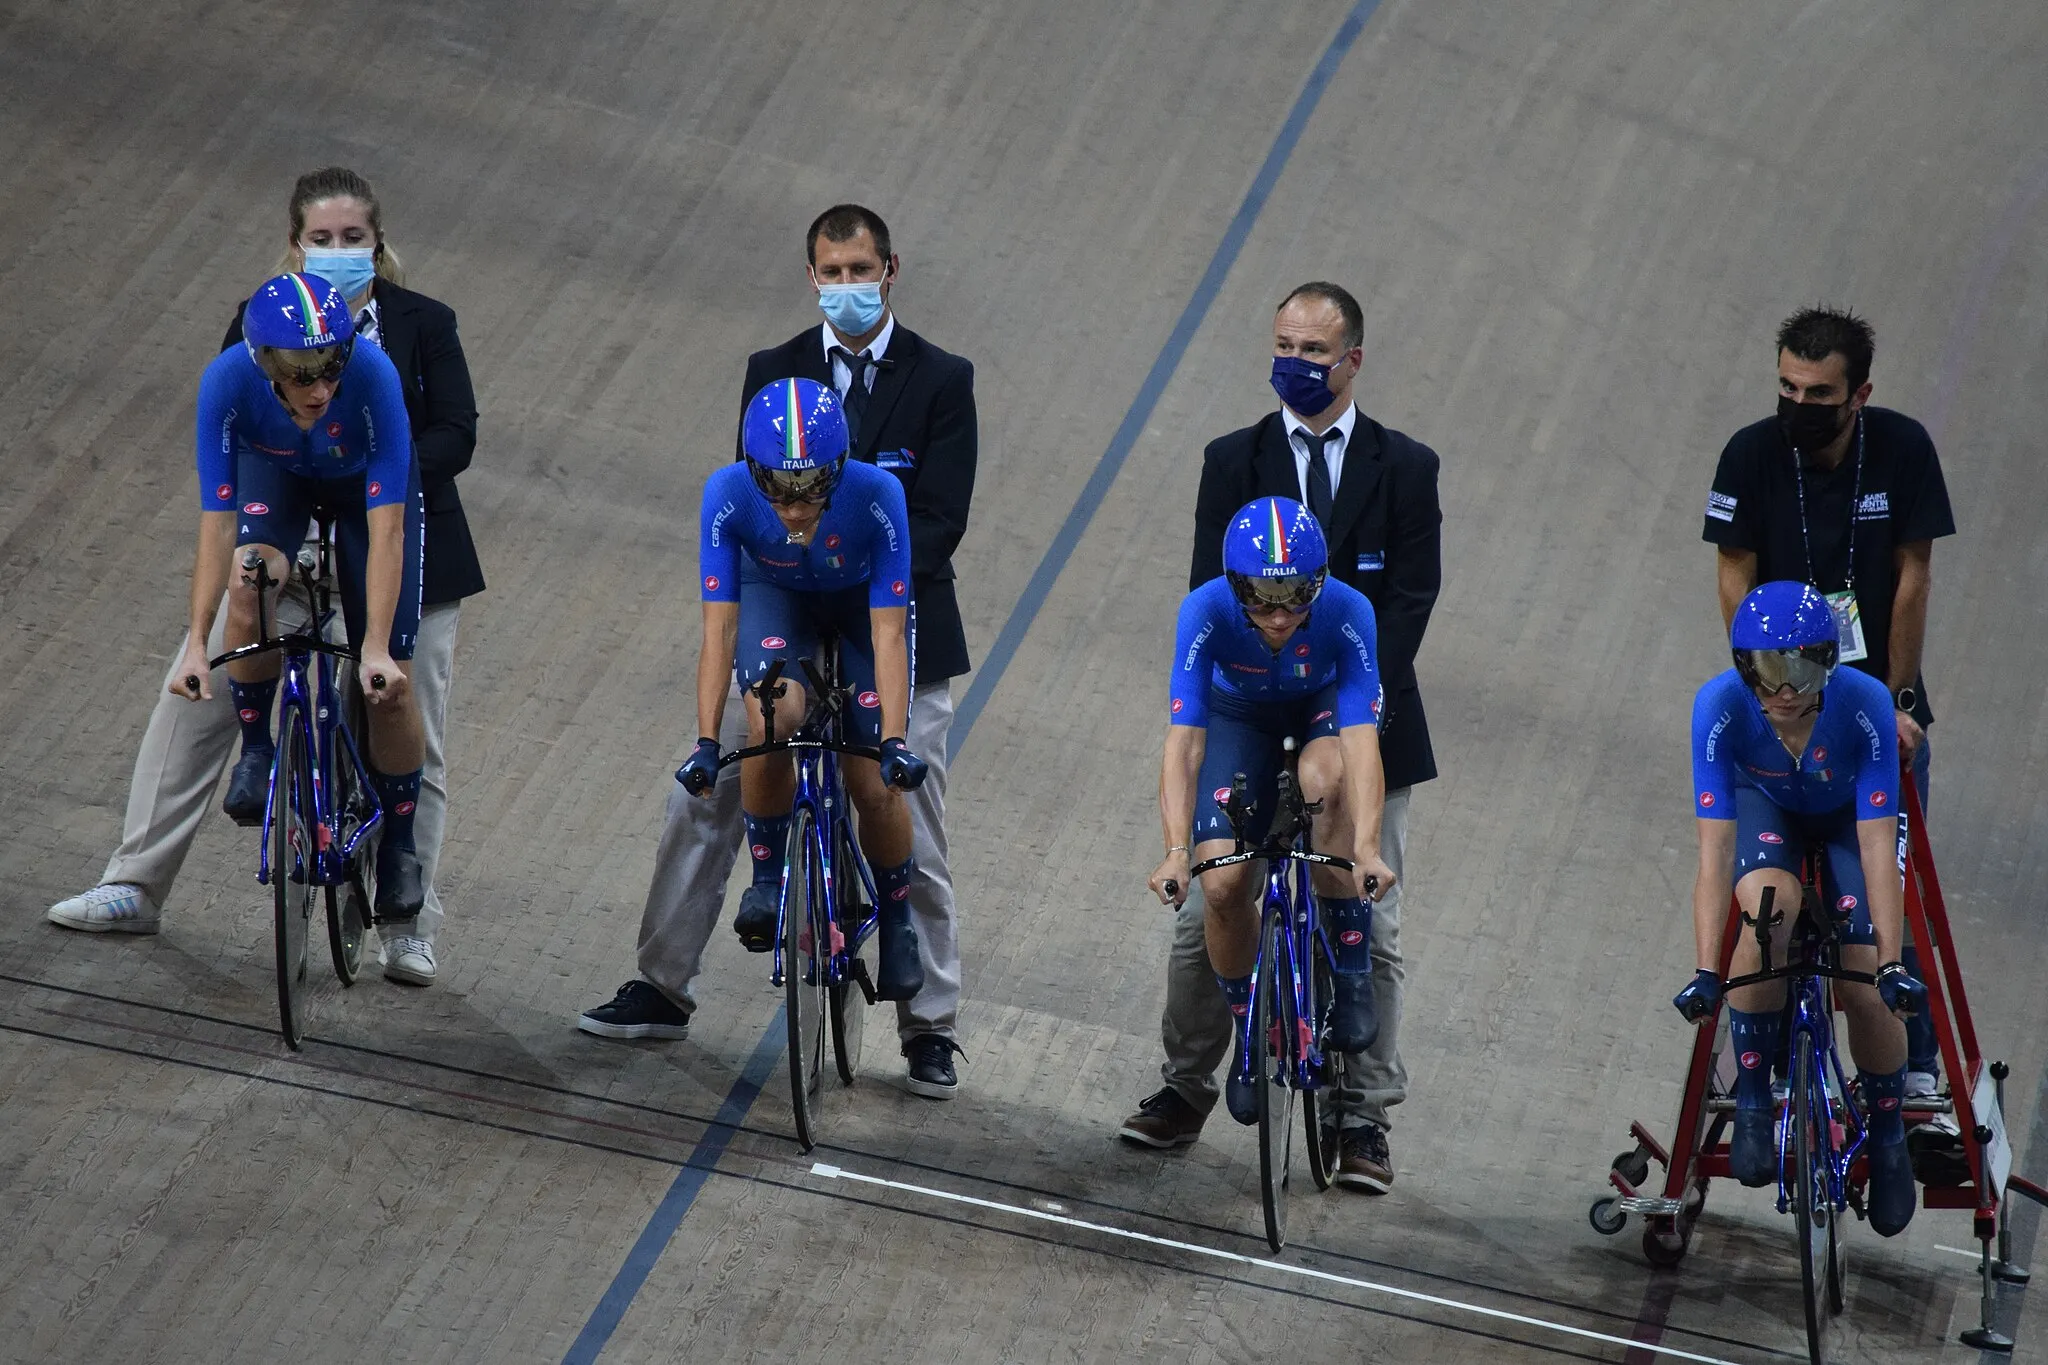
[
  {"x": 889, "y": 516},
  {"x": 1713, "y": 771},
  {"x": 220, "y": 402},
  {"x": 1877, "y": 767},
  {"x": 1192, "y": 662},
  {"x": 1359, "y": 698},
  {"x": 718, "y": 545},
  {"x": 388, "y": 476}
]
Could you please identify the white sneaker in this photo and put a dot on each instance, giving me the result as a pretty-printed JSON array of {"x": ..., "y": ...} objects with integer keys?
[
  {"x": 116, "y": 908},
  {"x": 410, "y": 959},
  {"x": 1921, "y": 1084}
]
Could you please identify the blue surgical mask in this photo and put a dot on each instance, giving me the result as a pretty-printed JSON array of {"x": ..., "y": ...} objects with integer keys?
[
  {"x": 852, "y": 308},
  {"x": 348, "y": 268},
  {"x": 1301, "y": 386}
]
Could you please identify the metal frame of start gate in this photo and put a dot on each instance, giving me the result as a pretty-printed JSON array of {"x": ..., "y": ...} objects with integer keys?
[{"x": 1976, "y": 1098}]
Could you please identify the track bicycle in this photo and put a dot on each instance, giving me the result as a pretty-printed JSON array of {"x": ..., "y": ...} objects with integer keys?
[
  {"x": 321, "y": 809},
  {"x": 1281, "y": 1042},
  {"x": 1821, "y": 1131},
  {"x": 825, "y": 913}
]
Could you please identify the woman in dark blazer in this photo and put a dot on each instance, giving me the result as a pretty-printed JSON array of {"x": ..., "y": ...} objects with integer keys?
[{"x": 336, "y": 231}]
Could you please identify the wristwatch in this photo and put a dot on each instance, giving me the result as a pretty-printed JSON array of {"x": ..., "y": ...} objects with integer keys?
[{"x": 1905, "y": 698}]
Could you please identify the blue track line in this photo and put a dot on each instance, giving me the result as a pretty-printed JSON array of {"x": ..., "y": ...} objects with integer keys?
[{"x": 668, "y": 1215}]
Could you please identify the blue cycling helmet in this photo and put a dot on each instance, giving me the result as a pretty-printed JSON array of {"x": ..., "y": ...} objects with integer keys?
[
  {"x": 1274, "y": 555},
  {"x": 1785, "y": 633},
  {"x": 298, "y": 330},
  {"x": 795, "y": 438}
]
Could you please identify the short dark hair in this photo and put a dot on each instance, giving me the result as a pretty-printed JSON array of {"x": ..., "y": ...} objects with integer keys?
[
  {"x": 1816, "y": 333},
  {"x": 840, "y": 222},
  {"x": 1338, "y": 297}
]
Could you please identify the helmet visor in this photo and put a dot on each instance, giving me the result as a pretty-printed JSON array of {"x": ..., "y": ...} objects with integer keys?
[
  {"x": 796, "y": 485},
  {"x": 1295, "y": 592},
  {"x": 303, "y": 369},
  {"x": 1805, "y": 669}
]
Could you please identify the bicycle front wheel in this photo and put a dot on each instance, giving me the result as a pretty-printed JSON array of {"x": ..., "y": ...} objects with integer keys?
[
  {"x": 806, "y": 949},
  {"x": 1811, "y": 1210},
  {"x": 1272, "y": 1047},
  {"x": 292, "y": 846}
]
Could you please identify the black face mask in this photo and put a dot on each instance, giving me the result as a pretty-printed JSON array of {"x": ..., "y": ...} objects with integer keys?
[{"x": 1810, "y": 426}]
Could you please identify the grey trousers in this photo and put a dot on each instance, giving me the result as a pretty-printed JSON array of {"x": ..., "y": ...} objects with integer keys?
[
  {"x": 701, "y": 841},
  {"x": 1197, "y": 1026},
  {"x": 189, "y": 744}
]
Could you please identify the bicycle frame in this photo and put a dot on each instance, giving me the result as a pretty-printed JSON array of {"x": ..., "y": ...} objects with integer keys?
[{"x": 307, "y": 694}]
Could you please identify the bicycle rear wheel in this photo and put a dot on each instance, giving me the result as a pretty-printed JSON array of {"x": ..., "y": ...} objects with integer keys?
[
  {"x": 1270, "y": 1050},
  {"x": 1811, "y": 1211},
  {"x": 292, "y": 845},
  {"x": 806, "y": 945},
  {"x": 1324, "y": 1140},
  {"x": 849, "y": 1000}
]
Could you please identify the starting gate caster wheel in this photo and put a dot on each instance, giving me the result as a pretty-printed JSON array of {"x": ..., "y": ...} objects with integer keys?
[
  {"x": 1665, "y": 1241},
  {"x": 1633, "y": 1166},
  {"x": 1607, "y": 1216}
]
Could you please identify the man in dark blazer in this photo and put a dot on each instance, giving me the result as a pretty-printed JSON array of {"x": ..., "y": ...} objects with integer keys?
[
  {"x": 187, "y": 744},
  {"x": 1374, "y": 491},
  {"x": 910, "y": 409}
]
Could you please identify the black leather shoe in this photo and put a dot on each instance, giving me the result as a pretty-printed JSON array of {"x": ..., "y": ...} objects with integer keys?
[
  {"x": 249, "y": 787},
  {"x": 755, "y": 923},
  {"x": 1354, "y": 1020},
  {"x": 931, "y": 1066},
  {"x": 1753, "y": 1148},
  {"x": 400, "y": 889},
  {"x": 899, "y": 975}
]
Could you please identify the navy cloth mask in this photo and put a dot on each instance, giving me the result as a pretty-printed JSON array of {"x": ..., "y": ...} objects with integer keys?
[
  {"x": 349, "y": 269},
  {"x": 852, "y": 308},
  {"x": 1303, "y": 387}
]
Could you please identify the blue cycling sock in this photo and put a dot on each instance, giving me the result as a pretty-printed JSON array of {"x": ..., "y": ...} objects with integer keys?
[
  {"x": 1237, "y": 993},
  {"x": 766, "y": 837},
  {"x": 1881, "y": 1096},
  {"x": 1754, "y": 1040},
  {"x": 892, "y": 885},
  {"x": 397, "y": 794},
  {"x": 252, "y": 708},
  {"x": 1350, "y": 933},
  {"x": 1923, "y": 1049}
]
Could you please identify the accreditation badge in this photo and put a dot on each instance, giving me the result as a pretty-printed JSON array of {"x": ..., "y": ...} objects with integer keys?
[{"x": 1848, "y": 626}]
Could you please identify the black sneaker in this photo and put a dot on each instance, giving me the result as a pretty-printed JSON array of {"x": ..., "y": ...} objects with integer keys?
[
  {"x": 755, "y": 923},
  {"x": 1354, "y": 1020},
  {"x": 639, "y": 1010},
  {"x": 249, "y": 787},
  {"x": 899, "y": 975},
  {"x": 400, "y": 890},
  {"x": 931, "y": 1066},
  {"x": 1164, "y": 1120}
]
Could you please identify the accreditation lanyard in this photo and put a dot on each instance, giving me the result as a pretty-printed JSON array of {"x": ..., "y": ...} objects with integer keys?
[{"x": 1848, "y": 615}]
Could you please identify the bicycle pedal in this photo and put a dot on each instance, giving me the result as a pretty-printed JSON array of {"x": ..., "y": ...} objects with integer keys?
[{"x": 858, "y": 974}]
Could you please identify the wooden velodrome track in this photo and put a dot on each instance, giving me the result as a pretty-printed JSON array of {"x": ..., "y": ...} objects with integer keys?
[{"x": 1573, "y": 226}]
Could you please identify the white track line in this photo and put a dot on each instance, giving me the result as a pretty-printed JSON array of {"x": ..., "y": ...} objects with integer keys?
[
  {"x": 1020, "y": 1211},
  {"x": 1958, "y": 1251}
]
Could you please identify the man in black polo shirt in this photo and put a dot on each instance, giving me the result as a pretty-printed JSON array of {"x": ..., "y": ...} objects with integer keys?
[{"x": 1849, "y": 498}]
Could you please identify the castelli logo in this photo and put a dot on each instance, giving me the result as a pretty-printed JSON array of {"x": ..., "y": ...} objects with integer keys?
[
  {"x": 1351, "y": 938},
  {"x": 1176, "y": 705},
  {"x": 224, "y": 492},
  {"x": 897, "y": 587},
  {"x": 711, "y": 582},
  {"x": 1888, "y": 1102},
  {"x": 248, "y": 714},
  {"x": 1770, "y": 837},
  {"x": 375, "y": 488},
  {"x": 870, "y": 700},
  {"x": 1878, "y": 798},
  {"x": 762, "y": 852},
  {"x": 1321, "y": 716},
  {"x": 405, "y": 808},
  {"x": 1846, "y": 904},
  {"x": 1221, "y": 796},
  {"x": 1240, "y": 1010},
  {"x": 1752, "y": 1060},
  {"x": 1820, "y": 755},
  {"x": 831, "y": 542},
  {"x": 256, "y": 509},
  {"x": 901, "y": 893},
  {"x": 334, "y": 429},
  {"x": 1707, "y": 800},
  {"x": 1301, "y": 650},
  {"x": 774, "y": 642}
]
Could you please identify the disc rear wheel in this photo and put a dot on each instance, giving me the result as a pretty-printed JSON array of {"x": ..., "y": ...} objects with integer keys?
[
  {"x": 1270, "y": 1051},
  {"x": 293, "y": 844},
  {"x": 804, "y": 969}
]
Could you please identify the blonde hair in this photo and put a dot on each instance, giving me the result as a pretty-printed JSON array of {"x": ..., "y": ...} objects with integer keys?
[{"x": 339, "y": 182}]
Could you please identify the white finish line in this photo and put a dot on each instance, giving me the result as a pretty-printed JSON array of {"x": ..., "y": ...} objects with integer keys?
[{"x": 1306, "y": 1272}]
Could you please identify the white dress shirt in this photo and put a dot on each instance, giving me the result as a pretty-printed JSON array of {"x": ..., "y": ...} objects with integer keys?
[
  {"x": 842, "y": 373},
  {"x": 1333, "y": 454}
]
